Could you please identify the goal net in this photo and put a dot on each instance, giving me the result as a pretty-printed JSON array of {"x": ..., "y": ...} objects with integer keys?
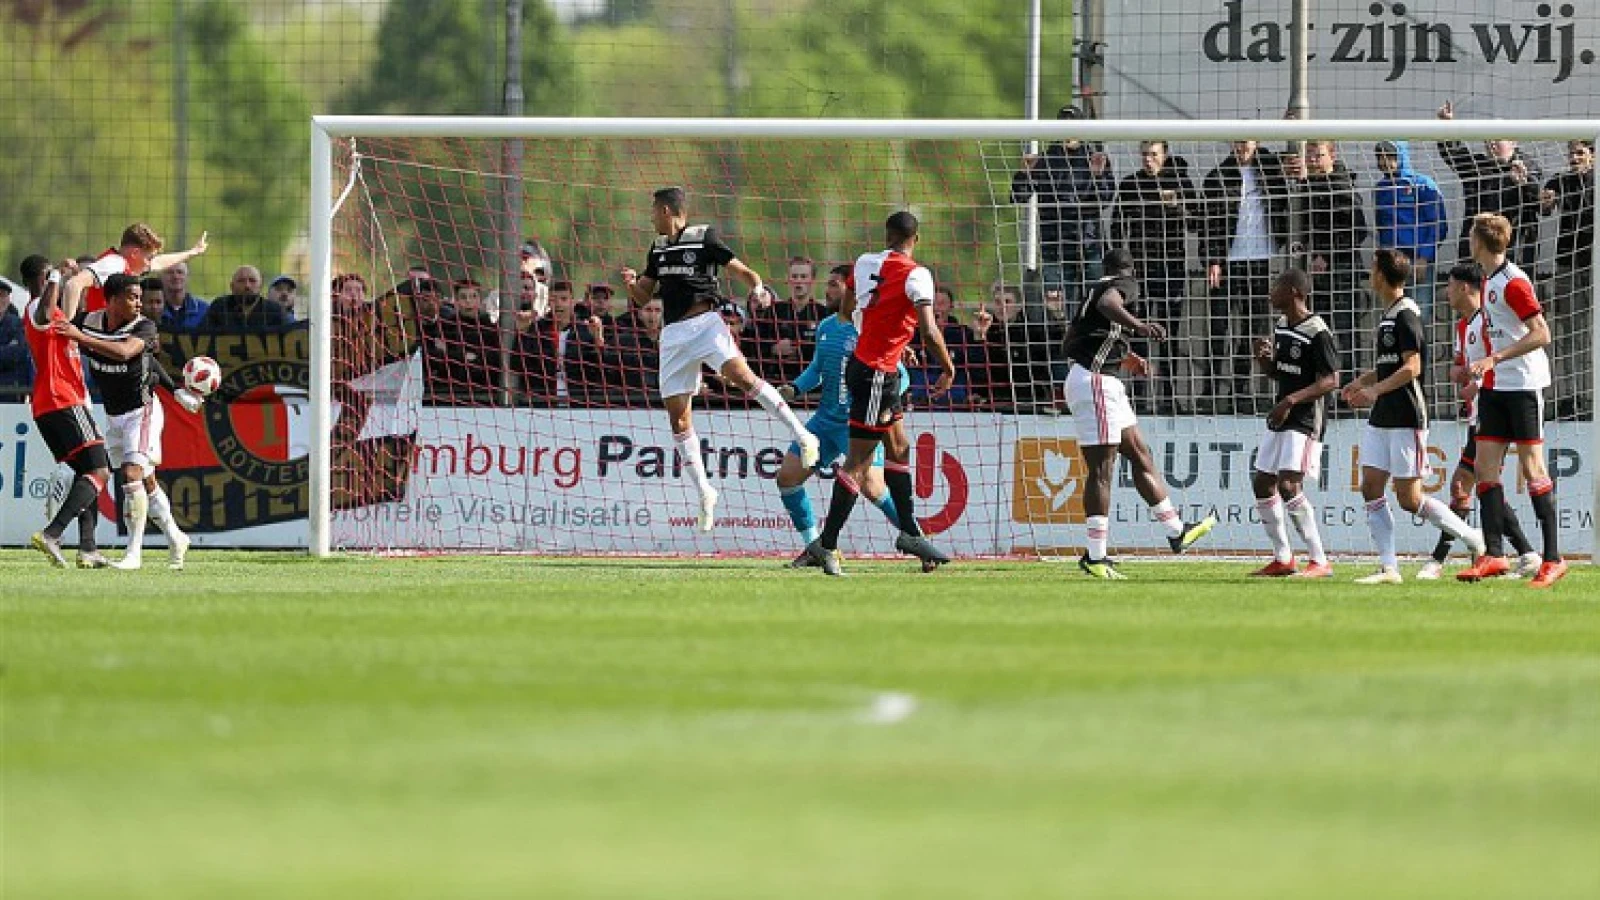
[{"x": 490, "y": 387}]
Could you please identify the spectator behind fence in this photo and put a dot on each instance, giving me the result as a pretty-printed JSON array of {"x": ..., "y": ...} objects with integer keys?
[
  {"x": 957, "y": 339},
  {"x": 182, "y": 311},
  {"x": 244, "y": 309},
  {"x": 989, "y": 358},
  {"x": 16, "y": 363},
  {"x": 1333, "y": 225},
  {"x": 1411, "y": 219},
  {"x": 636, "y": 353},
  {"x": 1034, "y": 340},
  {"x": 1154, "y": 209},
  {"x": 1073, "y": 181},
  {"x": 1246, "y": 221},
  {"x": 801, "y": 313},
  {"x": 559, "y": 355},
  {"x": 283, "y": 292},
  {"x": 1501, "y": 181},
  {"x": 472, "y": 349},
  {"x": 1572, "y": 303},
  {"x": 151, "y": 301},
  {"x": 763, "y": 328}
]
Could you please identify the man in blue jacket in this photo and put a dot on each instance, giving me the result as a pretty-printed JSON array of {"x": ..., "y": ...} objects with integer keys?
[{"x": 1411, "y": 217}]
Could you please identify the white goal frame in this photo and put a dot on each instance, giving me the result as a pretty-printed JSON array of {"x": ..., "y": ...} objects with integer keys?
[{"x": 327, "y": 129}]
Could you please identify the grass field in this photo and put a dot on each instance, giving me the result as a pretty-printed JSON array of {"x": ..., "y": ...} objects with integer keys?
[{"x": 266, "y": 726}]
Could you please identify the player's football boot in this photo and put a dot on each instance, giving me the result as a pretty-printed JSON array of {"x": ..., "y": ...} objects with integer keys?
[
  {"x": 829, "y": 561},
  {"x": 1549, "y": 573},
  {"x": 130, "y": 562},
  {"x": 1484, "y": 567},
  {"x": 1528, "y": 565},
  {"x": 1104, "y": 569},
  {"x": 1192, "y": 532},
  {"x": 810, "y": 449},
  {"x": 94, "y": 559},
  {"x": 1385, "y": 575},
  {"x": 922, "y": 548},
  {"x": 1275, "y": 569},
  {"x": 1315, "y": 570},
  {"x": 50, "y": 547},
  {"x": 178, "y": 550},
  {"x": 803, "y": 561},
  {"x": 1432, "y": 570},
  {"x": 708, "y": 510}
]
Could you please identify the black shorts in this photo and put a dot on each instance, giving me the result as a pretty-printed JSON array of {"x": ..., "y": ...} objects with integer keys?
[
  {"x": 875, "y": 399},
  {"x": 1511, "y": 417},
  {"x": 1469, "y": 450},
  {"x": 74, "y": 438}
]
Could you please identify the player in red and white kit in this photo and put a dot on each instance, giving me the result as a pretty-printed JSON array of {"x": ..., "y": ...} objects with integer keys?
[
  {"x": 893, "y": 299},
  {"x": 1511, "y": 403},
  {"x": 138, "y": 252},
  {"x": 62, "y": 415}
]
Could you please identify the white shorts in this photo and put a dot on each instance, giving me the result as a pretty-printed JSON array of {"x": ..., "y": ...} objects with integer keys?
[
  {"x": 135, "y": 437},
  {"x": 1402, "y": 452},
  {"x": 1289, "y": 451},
  {"x": 690, "y": 343},
  {"x": 1100, "y": 407}
]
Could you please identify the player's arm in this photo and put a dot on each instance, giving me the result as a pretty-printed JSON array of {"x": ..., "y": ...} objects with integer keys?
[
  {"x": 168, "y": 260},
  {"x": 933, "y": 340},
  {"x": 1113, "y": 308},
  {"x": 1519, "y": 296},
  {"x": 72, "y": 292},
  {"x": 46, "y": 307},
  {"x": 744, "y": 273},
  {"x": 806, "y": 382},
  {"x": 1410, "y": 370},
  {"x": 119, "y": 350}
]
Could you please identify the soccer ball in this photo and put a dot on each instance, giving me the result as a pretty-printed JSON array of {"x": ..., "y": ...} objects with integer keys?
[{"x": 202, "y": 375}]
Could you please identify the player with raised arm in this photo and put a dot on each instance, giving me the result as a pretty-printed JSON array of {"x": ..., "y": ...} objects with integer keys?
[
  {"x": 62, "y": 415},
  {"x": 1511, "y": 403},
  {"x": 138, "y": 252},
  {"x": 1464, "y": 291},
  {"x": 1097, "y": 344},
  {"x": 1394, "y": 443},
  {"x": 1303, "y": 359},
  {"x": 683, "y": 265},
  {"x": 893, "y": 299},
  {"x": 836, "y": 338},
  {"x": 120, "y": 346}
]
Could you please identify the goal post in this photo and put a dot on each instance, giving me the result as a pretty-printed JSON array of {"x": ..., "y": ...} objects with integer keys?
[{"x": 367, "y": 179}]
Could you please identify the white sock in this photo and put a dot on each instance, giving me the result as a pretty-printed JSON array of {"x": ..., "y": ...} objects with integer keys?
[
  {"x": 1381, "y": 523},
  {"x": 135, "y": 511},
  {"x": 1442, "y": 518},
  {"x": 1099, "y": 530},
  {"x": 161, "y": 514},
  {"x": 1167, "y": 517},
  {"x": 1304, "y": 519},
  {"x": 689, "y": 448},
  {"x": 1271, "y": 510},
  {"x": 767, "y": 395}
]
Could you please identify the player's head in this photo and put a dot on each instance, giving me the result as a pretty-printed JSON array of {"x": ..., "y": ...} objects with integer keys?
[
  {"x": 139, "y": 243},
  {"x": 34, "y": 270},
  {"x": 900, "y": 230},
  {"x": 1491, "y": 235},
  {"x": 1290, "y": 290},
  {"x": 1464, "y": 289},
  {"x": 1391, "y": 271},
  {"x": 124, "y": 296},
  {"x": 838, "y": 287},
  {"x": 153, "y": 292},
  {"x": 668, "y": 206},
  {"x": 1117, "y": 262},
  {"x": 1153, "y": 155}
]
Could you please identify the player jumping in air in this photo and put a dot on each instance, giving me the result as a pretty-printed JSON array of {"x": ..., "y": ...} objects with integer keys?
[
  {"x": 1097, "y": 344},
  {"x": 683, "y": 265},
  {"x": 1394, "y": 443},
  {"x": 61, "y": 413},
  {"x": 120, "y": 346},
  {"x": 893, "y": 298},
  {"x": 1511, "y": 404},
  {"x": 1464, "y": 290},
  {"x": 835, "y": 343},
  {"x": 138, "y": 252},
  {"x": 1303, "y": 359}
]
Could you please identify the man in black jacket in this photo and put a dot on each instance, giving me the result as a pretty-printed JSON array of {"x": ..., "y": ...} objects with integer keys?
[
  {"x": 1246, "y": 221},
  {"x": 1150, "y": 219},
  {"x": 1503, "y": 182},
  {"x": 1572, "y": 195},
  {"x": 1333, "y": 225},
  {"x": 1072, "y": 181}
]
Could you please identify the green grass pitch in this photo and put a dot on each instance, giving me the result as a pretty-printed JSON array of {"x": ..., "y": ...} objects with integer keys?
[{"x": 267, "y": 726}]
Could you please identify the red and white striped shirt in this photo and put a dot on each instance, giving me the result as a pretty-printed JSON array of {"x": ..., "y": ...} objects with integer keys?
[{"x": 1508, "y": 303}]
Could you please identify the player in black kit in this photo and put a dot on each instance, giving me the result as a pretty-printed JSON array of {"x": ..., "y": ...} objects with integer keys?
[{"x": 1303, "y": 359}]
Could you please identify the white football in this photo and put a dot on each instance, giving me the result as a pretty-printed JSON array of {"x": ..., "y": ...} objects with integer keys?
[{"x": 202, "y": 375}]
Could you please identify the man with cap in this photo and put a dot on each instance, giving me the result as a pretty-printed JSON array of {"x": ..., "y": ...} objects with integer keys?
[
  {"x": 1072, "y": 181},
  {"x": 283, "y": 290}
]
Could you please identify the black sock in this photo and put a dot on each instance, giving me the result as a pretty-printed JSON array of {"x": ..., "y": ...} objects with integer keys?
[
  {"x": 1492, "y": 504},
  {"x": 1544, "y": 508},
  {"x": 87, "y": 520},
  {"x": 1441, "y": 550},
  {"x": 845, "y": 493},
  {"x": 81, "y": 497},
  {"x": 898, "y": 481},
  {"x": 1513, "y": 530}
]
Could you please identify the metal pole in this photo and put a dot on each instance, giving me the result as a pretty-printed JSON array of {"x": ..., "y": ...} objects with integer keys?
[
  {"x": 320, "y": 507},
  {"x": 733, "y": 88},
  {"x": 1594, "y": 396},
  {"x": 1299, "y": 108},
  {"x": 180, "y": 121},
  {"x": 1030, "y": 246},
  {"x": 1091, "y": 57},
  {"x": 511, "y": 203}
]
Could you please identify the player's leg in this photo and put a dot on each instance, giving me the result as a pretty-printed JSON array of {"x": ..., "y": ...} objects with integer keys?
[
  {"x": 1152, "y": 488},
  {"x": 161, "y": 516},
  {"x": 73, "y": 439},
  {"x": 847, "y": 480},
  {"x": 897, "y": 477},
  {"x": 1412, "y": 499},
  {"x": 1380, "y": 520},
  {"x": 1269, "y": 506},
  {"x": 736, "y": 372},
  {"x": 1099, "y": 462},
  {"x": 687, "y": 442},
  {"x": 1462, "y": 481},
  {"x": 877, "y": 491},
  {"x": 135, "y": 513},
  {"x": 1491, "y": 453},
  {"x": 791, "y": 481},
  {"x": 1302, "y": 515},
  {"x": 1542, "y": 491}
]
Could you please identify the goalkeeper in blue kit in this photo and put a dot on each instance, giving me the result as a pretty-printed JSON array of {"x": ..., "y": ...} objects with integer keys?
[{"x": 835, "y": 342}]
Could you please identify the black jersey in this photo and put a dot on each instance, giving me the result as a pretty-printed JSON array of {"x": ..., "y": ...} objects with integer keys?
[
  {"x": 124, "y": 385},
  {"x": 685, "y": 267},
  {"x": 1302, "y": 354},
  {"x": 1399, "y": 333},
  {"x": 1093, "y": 340}
]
